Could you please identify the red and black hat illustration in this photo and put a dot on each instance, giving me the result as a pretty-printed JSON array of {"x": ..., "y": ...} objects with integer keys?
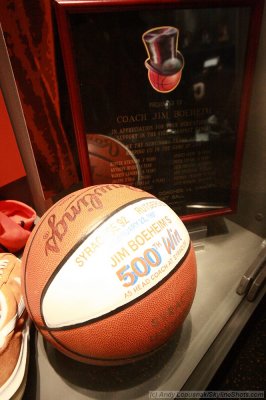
[{"x": 164, "y": 63}]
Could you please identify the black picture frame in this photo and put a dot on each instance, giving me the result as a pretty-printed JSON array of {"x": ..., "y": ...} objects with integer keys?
[{"x": 180, "y": 138}]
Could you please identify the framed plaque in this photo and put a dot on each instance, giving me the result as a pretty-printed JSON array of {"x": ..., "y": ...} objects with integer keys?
[{"x": 159, "y": 92}]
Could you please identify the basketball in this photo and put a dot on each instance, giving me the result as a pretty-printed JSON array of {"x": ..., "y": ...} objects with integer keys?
[
  {"x": 111, "y": 161},
  {"x": 164, "y": 83},
  {"x": 109, "y": 274}
]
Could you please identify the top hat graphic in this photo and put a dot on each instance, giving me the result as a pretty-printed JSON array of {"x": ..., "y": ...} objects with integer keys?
[{"x": 161, "y": 45}]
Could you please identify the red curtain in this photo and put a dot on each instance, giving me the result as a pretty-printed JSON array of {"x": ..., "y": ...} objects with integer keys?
[{"x": 29, "y": 35}]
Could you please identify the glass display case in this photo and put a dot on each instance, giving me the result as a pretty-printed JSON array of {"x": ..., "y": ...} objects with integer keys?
[
  {"x": 230, "y": 252},
  {"x": 220, "y": 194}
]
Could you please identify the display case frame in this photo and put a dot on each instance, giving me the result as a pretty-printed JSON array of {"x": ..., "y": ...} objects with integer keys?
[{"x": 201, "y": 203}]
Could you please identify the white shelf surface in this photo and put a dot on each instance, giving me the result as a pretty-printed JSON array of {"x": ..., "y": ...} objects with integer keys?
[{"x": 221, "y": 262}]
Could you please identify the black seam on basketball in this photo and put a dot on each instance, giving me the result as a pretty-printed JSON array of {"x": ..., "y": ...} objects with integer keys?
[
  {"x": 82, "y": 239},
  {"x": 95, "y": 187},
  {"x": 124, "y": 306},
  {"x": 32, "y": 240},
  {"x": 42, "y": 221},
  {"x": 107, "y": 360},
  {"x": 100, "y": 156}
]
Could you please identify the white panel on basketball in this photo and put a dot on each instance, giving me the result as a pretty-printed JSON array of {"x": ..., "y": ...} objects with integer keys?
[{"x": 96, "y": 279}]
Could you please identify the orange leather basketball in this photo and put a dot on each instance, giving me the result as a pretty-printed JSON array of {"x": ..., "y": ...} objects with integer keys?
[
  {"x": 109, "y": 274},
  {"x": 111, "y": 161}
]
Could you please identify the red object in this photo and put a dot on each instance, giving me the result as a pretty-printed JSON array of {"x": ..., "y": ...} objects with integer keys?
[
  {"x": 11, "y": 165},
  {"x": 164, "y": 83},
  {"x": 16, "y": 220}
]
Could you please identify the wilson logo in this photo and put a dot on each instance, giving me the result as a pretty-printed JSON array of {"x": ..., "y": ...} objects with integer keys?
[{"x": 59, "y": 227}]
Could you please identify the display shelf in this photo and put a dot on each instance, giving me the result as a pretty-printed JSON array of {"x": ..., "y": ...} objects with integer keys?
[{"x": 190, "y": 359}]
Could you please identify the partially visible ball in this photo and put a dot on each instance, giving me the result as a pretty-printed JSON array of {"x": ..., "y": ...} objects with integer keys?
[
  {"x": 111, "y": 161},
  {"x": 164, "y": 83}
]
